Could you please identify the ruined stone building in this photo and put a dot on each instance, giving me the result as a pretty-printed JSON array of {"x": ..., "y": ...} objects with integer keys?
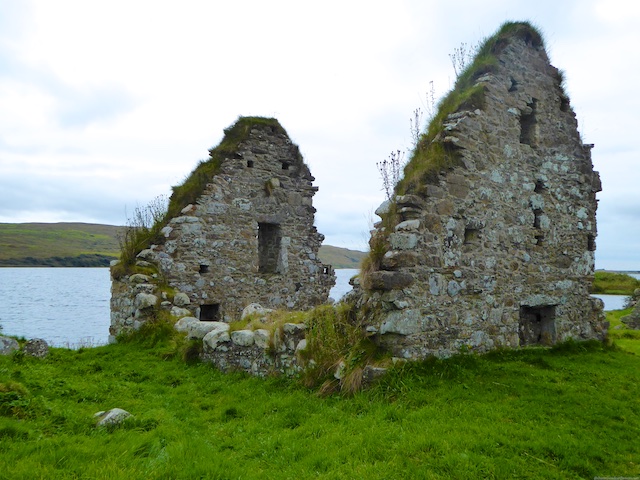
[
  {"x": 490, "y": 240},
  {"x": 247, "y": 236}
]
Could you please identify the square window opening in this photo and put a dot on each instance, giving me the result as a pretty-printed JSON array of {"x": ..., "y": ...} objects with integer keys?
[
  {"x": 285, "y": 165},
  {"x": 470, "y": 235},
  {"x": 249, "y": 163},
  {"x": 537, "y": 325},
  {"x": 210, "y": 312},
  {"x": 203, "y": 269}
]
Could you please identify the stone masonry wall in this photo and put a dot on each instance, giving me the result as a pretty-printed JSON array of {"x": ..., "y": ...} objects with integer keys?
[
  {"x": 499, "y": 251},
  {"x": 249, "y": 238}
]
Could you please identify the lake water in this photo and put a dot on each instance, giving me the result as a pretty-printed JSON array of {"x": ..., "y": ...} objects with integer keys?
[{"x": 69, "y": 307}]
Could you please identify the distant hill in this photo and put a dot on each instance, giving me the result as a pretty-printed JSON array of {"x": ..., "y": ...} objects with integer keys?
[{"x": 95, "y": 245}]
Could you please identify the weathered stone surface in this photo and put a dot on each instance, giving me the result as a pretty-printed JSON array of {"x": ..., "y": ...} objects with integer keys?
[
  {"x": 8, "y": 345},
  {"x": 501, "y": 244},
  {"x": 179, "y": 312},
  {"x": 249, "y": 237},
  {"x": 633, "y": 319},
  {"x": 197, "y": 329},
  {"x": 214, "y": 338},
  {"x": 139, "y": 278},
  {"x": 145, "y": 300},
  {"x": 115, "y": 416},
  {"x": 243, "y": 338},
  {"x": 384, "y": 280},
  {"x": 261, "y": 337},
  {"x": 393, "y": 259},
  {"x": 181, "y": 299},
  {"x": 383, "y": 209},
  {"x": 255, "y": 309},
  {"x": 36, "y": 347}
]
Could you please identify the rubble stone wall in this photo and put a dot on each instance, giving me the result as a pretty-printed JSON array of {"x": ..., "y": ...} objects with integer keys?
[
  {"x": 498, "y": 252},
  {"x": 249, "y": 238}
]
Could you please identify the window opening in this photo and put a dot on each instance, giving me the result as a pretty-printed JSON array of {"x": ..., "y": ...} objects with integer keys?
[
  {"x": 285, "y": 165},
  {"x": 537, "y": 325},
  {"x": 528, "y": 125},
  {"x": 470, "y": 235},
  {"x": 591, "y": 242},
  {"x": 210, "y": 312},
  {"x": 540, "y": 186},
  {"x": 537, "y": 213},
  {"x": 204, "y": 269},
  {"x": 269, "y": 238},
  {"x": 250, "y": 163}
]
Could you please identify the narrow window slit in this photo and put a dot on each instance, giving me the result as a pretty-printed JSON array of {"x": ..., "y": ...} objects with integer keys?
[{"x": 269, "y": 239}]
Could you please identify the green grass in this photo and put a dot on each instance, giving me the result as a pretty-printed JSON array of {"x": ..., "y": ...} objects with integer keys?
[
  {"x": 614, "y": 283},
  {"x": 568, "y": 412}
]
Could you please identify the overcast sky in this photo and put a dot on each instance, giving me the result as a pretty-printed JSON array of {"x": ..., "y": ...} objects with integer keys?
[{"x": 106, "y": 104}]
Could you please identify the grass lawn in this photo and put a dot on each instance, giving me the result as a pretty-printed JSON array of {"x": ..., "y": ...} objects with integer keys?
[{"x": 568, "y": 412}]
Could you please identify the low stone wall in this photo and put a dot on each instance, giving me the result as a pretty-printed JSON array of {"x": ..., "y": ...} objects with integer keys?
[
  {"x": 136, "y": 299},
  {"x": 260, "y": 352}
]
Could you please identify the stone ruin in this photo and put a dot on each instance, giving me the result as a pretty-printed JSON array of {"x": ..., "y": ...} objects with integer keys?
[
  {"x": 487, "y": 243},
  {"x": 248, "y": 238},
  {"x": 495, "y": 249}
]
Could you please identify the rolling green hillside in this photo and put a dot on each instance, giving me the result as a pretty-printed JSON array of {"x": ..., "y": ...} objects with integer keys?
[{"x": 94, "y": 245}]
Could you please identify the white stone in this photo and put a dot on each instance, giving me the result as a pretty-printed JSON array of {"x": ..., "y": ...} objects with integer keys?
[
  {"x": 145, "y": 300},
  {"x": 114, "y": 416},
  {"x": 215, "y": 338},
  {"x": 302, "y": 345},
  {"x": 383, "y": 209},
  {"x": 261, "y": 338},
  {"x": 8, "y": 345},
  {"x": 139, "y": 278},
  {"x": 404, "y": 322},
  {"x": 180, "y": 312},
  {"x": 242, "y": 203},
  {"x": 403, "y": 241},
  {"x": 255, "y": 309},
  {"x": 243, "y": 338},
  {"x": 181, "y": 299},
  {"x": 197, "y": 329},
  {"x": 292, "y": 328},
  {"x": 408, "y": 225}
]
